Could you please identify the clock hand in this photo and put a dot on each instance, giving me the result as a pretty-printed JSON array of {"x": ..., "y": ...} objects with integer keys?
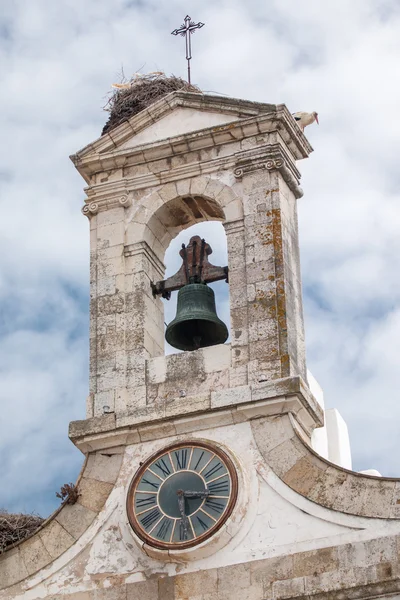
[
  {"x": 184, "y": 519},
  {"x": 189, "y": 494},
  {"x": 182, "y": 494}
]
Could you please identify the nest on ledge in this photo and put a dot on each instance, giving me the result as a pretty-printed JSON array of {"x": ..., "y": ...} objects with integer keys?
[
  {"x": 132, "y": 97},
  {"x": 16, "y": 527}
]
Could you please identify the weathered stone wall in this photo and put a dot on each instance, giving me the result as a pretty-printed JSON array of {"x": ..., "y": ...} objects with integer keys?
[
  {"x": 310, "y": 475},
  {"x": 362, "y": 570},
  {"x": 242, "y": 173},
  {"x": 67, "y": 525}
]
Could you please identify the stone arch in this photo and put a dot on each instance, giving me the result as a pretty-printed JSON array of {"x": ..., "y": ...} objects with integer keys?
[
  {"x": 61, "y": 530},
  {"x": 308, "y": 474},
  {"x": 159, "y": 216}
]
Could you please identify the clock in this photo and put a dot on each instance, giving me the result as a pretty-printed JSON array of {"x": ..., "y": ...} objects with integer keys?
[{"x": 182, "y": 495}]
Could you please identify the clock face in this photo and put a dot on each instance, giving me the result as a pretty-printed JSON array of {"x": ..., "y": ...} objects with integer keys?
[{"x": 182, "y": 495}]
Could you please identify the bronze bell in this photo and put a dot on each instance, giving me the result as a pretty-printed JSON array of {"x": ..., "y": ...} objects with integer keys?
[{"x": 196, "y": 324}]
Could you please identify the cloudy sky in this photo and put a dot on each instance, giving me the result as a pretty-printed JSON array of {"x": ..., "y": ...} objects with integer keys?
[{"x": 58, "y": 60}]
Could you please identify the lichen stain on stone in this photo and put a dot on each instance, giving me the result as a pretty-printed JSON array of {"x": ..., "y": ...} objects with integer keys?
[
  {"x": 285, "y": 364},
  {"x": 224, "y": 127},
  {"x": 267, "y": 302},
  {"x": 265, "y": 234}
]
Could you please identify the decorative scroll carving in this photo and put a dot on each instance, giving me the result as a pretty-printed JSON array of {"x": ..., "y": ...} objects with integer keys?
[
  {"x": 195, "y": 269},
  {"x": 254, "y": 164},
  {"x": 238, "y": 173},
  {"x": 271, "y": 163},
  {"x": 248, "y": 167},
  {"x": 90, "y": 209},
  {"x": 125, "y": 201},
  {"x": 274, "y": 164}
]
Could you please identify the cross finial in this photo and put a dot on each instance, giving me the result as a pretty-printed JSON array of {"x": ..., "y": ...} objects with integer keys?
[{"x": 186, "y": 29}]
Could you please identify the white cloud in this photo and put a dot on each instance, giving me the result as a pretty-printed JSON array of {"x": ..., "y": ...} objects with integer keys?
[{"x": 337, "y": 57}]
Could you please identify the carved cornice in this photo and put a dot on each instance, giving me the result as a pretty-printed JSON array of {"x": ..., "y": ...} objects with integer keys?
[
  {"x": 92, "y": 208},
  {"x": 272, "y": 158},
  {"x": 107, "y": 153},
  {"x": 277, "y": 397},
  {"x": 269, "y": 156}
]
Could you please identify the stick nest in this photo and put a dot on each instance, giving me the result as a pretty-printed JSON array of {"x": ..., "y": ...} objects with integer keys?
[
  {"x": 138, "y": 93},
  {"x": 16, "y": 527}
]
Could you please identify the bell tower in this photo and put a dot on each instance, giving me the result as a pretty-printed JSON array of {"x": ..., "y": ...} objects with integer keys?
[
  {"x": 190, "y": 158},
  {"x": 200, "y": 479}
]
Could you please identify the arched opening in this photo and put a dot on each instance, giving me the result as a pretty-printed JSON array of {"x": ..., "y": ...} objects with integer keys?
[
  {"x": 176, "y": 215},
  {"x": 160, "y": 221},
  {"x": 213, "y": 232}
]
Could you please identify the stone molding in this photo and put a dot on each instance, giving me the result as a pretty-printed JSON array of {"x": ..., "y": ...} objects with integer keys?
[
  {"x": 110, "y": 195},
  {"x": 183, "y": 415},
  {"x": 243, "y": 109},
  {"x": 105, "y": 153},
  {"x": 273, "y": 158},
  {"x": 91, "y": 208},
  {"x": 286, "y": 451},
  {"x": 67, "y": 524}
]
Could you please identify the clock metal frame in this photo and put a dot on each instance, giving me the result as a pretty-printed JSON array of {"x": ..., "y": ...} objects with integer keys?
[{"x": 130, "y": 501}]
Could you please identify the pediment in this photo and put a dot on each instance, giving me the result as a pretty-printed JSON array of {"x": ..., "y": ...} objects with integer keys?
[
  {"x": 187, "y": 121},
  {"x": 178, "y": 122},
  {"x": 174, "y": 115}
]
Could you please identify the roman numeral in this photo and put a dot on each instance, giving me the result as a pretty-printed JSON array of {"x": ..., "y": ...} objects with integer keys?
[
  {"x": 181, "y": 458},
  {"x": 163, "y": 467},
  {"x": 213, "y": 470},
  {"x": 147, "y": 501},
  {"x": 214, "y": 505},
  {"x": 163, "y": 529},
  {"x": 204, "y": 526},
  {"x": 150, "y": 518},
  {"x": 198, "y": 462},
  {"x": 154, "y": 485},
  {"x": 218, "y": 487}
]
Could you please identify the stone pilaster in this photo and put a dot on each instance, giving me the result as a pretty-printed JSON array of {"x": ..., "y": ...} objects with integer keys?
[
  {"x": 276, "y": 330},
  {"x": 126, "y": 322}
]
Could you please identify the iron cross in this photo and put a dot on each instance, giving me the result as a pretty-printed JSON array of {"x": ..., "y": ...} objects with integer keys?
[{"x": 186, "y": 30}]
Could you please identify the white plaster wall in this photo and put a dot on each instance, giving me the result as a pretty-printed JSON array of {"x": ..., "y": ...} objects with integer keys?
[
  {"x": 319, "y": 437},
  {"x": 180, "y": 121},
  {"x": 332, "y": 440},
  {"x": 339, "y": 451}
]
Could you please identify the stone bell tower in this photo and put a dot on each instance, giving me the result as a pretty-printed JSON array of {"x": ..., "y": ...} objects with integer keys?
[
  {"x": 199, "y": 480},
  {"x": 186, "y": 159}
]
